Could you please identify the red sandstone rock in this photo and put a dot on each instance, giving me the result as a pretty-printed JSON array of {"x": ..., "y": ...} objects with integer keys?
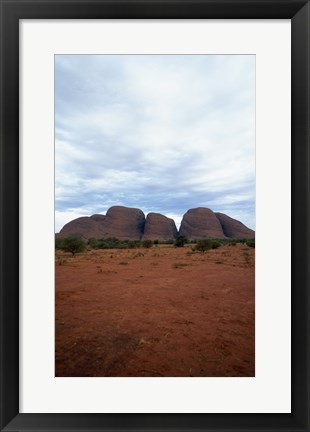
[
  {"x": 83, "y": 227},
  {"x": 159, "y": 227},
  {"x": 124, "y": 223},
  {"x": 234, "y": 228},
  {"x": 199, "y": 223},
  {"x": 98, "y": 217},
  {"x": 127, "y": 223}
]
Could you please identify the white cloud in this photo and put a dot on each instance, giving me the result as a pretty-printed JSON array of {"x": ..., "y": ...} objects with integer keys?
[{"x": 163, "y": 132}]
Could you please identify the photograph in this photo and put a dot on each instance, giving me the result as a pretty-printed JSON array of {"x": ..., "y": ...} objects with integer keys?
[
  {"x": 154, "y": 215},
  {"x": 159, "y": 151}
]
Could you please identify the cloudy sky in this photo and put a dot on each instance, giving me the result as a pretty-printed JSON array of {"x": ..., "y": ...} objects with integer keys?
[{"x": 158, "y": 132}]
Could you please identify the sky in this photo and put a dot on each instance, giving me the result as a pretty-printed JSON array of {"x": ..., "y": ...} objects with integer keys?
[{"x": 163, "y": 133}]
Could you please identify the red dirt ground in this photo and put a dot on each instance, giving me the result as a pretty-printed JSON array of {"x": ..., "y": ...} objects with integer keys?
[{"x": 159, "y": 312}]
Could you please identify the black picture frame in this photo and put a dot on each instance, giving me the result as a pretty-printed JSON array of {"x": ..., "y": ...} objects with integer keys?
[{"x": 14, "y": 10}]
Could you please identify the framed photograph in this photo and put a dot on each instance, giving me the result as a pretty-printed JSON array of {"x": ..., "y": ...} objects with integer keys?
[{"x": 154, "y": 215}]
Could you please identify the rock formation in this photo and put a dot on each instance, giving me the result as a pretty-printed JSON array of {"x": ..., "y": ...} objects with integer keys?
[
  {"x": 200, "y": 222},
  {"x": 159, "y": 227},
  {"x": 127, "y": 223},
  {"x": 123, "y": 223},
  {"x": 84, "y": 227},
  {"x": 233, "y": 228}
]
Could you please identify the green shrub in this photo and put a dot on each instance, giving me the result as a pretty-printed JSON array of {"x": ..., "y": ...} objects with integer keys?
[
  {"x": 215, "y": 244},
  {"x": 205, "y": 244},
  {"x": 147, "y": 244},
  {"x": 111, "y": 243},
  {"x": 93, "y": 243},
  {"x": 251, "y": 243},
  {"x": 58, "y": 243},
  {"x": 180, "y": 241},
  {"x": 132, "y": 244},
  {"x": 242, "y": 240},
  {"x": 73, "y": 245}
]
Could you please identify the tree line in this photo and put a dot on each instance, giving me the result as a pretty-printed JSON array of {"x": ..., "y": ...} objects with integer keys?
[{"x": 75, "y": 244}]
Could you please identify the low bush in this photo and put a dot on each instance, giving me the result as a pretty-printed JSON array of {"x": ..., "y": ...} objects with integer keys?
[
  {"x": 113, "y": 243},
  {"x": 133, "y": 244},
  {"x": 73, "y": 245},
  {"x": 251, "y": 243},
  {"x": 180, "y": 241},
  {"x": 147, "y": 244},
  {"x": 93, "y": 243},
  {"x": 59, "y": 243},
  {"x": 203, "y": 245}
]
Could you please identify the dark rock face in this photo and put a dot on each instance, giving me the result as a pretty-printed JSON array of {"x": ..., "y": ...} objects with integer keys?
[
  {"x": 233, "y": 228},
  {"x": 199, "y": 223},
  {"x": 84, "y": 227},
  {"x": 159, "y": 227},
  {"x": 127, "y": 223},
  {"x": 124, "y": 223},
  {"x": 98, "y": 217}
]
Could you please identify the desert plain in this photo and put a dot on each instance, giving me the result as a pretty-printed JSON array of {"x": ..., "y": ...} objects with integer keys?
[{"x": 156, "y": 312}]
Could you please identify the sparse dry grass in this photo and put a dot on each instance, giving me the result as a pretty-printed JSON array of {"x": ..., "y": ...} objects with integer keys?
[{"x": 156, "y": 313}]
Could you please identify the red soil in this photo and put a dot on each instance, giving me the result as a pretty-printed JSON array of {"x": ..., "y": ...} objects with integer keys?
[{"x": 159, "y": 312}]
